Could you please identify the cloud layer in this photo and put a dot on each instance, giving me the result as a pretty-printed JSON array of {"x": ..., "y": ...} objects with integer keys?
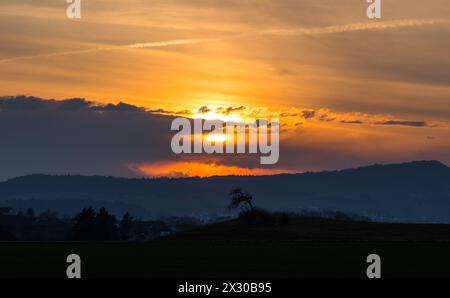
[
  {"x": 77, "y": 136},
  {"x": 349, "y": 91},
  {"x": 277, "y": 32}
]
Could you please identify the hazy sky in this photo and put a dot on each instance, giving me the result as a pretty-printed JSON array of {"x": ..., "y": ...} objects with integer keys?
[{"x": 350, "y": 91}]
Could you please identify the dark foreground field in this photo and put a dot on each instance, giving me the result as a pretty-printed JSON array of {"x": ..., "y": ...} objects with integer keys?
[{"x": 304, "y": 248}]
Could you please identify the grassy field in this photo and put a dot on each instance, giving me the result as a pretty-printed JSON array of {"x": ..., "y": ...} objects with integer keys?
[{"x": 305, "y": 248}]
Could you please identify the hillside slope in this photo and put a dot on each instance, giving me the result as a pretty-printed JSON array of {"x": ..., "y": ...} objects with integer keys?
[
  {"x": 416, "y": 191},
  {"x": 316, "y": 229}
]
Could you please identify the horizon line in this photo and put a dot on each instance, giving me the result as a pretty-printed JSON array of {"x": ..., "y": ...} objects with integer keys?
[{"x": 224, "y": 176}]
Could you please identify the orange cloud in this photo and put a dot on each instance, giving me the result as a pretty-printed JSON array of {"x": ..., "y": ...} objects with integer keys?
[{"x": 200, "y": 169}]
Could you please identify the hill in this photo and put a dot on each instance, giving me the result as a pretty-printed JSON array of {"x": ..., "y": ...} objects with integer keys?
[
  {"x": 306, "y": 229},
  {"x": 409, "y": 192}
]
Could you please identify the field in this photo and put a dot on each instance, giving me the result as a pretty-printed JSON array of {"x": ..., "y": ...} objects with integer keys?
[{"x": 306, "y": 247}]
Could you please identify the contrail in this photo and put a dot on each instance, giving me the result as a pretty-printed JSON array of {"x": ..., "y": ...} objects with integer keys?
[
  {"x": 167, "y": 43},
  {"x": 354, "y": 27},
  {"x": 109, "y": 48},
  {"x": 277, "y": 32},
  {"x": 55, "y": 54}
]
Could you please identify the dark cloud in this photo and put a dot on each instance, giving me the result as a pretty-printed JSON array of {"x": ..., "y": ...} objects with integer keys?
[
  {"x": 75, "y": 104},
  {"x": 183, "y": 112},
  {"x": 30, "y": 103},
  {"x": 158, "y": 111},
  {"x": 203, "y": 110},
  {"x": 227, "y": 111},
  {"x": 404, "y": 123},
  {"x": 23, "y": 102},
  {"x": 120, "y": 107},
  {"x": 78, "y": 137},
  {"x": 288, "y": 115},
  {"x": 308, "y": 114},
  {"x": 163, "y": 111},
  {"x": 352, "y": 122},
  {"x": 326, "y": 118}
]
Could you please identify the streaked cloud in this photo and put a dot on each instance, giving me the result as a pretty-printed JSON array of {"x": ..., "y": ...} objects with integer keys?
[
  {"x": 326, "y": 115},
  {"x": 356, "y": 27},
  {"x": 278, "y": 32},
  {"x": 348, "y": 91},
  {"x": 404, "y": 123}
]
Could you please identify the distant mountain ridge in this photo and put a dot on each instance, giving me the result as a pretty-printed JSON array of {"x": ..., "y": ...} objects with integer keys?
[{"x": 416, "y": 191}]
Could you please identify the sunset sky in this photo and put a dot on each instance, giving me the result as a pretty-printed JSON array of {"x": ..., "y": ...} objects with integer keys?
[{"x": 349, "y": 91}]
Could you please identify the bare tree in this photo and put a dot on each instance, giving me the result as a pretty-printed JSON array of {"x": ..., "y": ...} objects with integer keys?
[{"x": 238, "y": 197}]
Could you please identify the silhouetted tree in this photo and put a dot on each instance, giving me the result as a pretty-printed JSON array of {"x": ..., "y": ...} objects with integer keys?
[
  {"x": 83, "y": 228},
  {"x": 105, "y": 227},
  {"x": 126, "y": 225},
  {"x": 238, "y": 196}
]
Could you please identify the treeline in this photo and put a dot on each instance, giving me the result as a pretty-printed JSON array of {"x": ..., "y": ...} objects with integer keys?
[{"x": 90, "y": 225}]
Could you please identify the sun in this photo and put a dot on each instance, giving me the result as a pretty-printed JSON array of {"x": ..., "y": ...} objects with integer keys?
[{"x": 217, "y": 138}]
